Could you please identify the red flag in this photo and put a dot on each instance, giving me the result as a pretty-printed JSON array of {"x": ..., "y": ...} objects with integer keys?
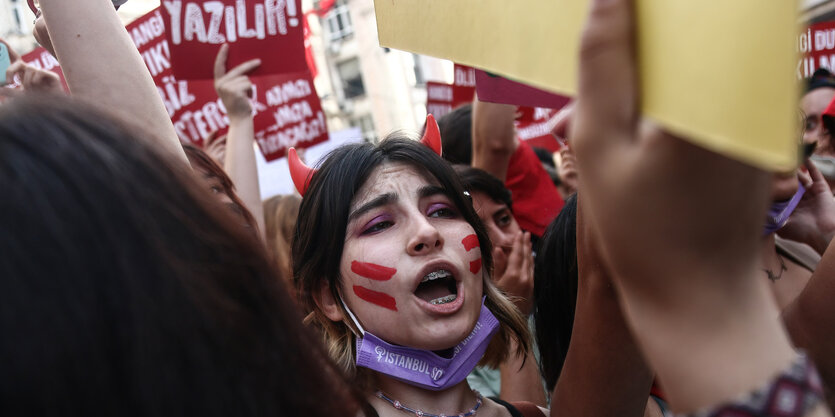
[
  {"x": 324, "y": 7},
  {"x": 308, "y": 48}
]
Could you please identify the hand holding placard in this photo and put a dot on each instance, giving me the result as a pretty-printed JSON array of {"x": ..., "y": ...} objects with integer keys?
[{"x": 686, "y": 272}]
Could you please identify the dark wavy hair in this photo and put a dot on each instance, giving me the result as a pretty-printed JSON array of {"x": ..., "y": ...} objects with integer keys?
[
  {"x": 126, "y": 289},
  {"x": 321, "y": 227},
  {"x": 457, "y": 135},
  {"x": 555, "y": 291},
  {"x": 475, "y": 179},
  {"x": 199, "y": 159}
]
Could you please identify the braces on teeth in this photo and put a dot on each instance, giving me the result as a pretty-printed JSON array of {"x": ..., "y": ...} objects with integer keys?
[
  {"x": 435, "y": 275},
  {"x": 444, "y": 300}
]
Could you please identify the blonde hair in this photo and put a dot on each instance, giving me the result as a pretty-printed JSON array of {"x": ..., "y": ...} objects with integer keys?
[{"x": 280, "y": 214}]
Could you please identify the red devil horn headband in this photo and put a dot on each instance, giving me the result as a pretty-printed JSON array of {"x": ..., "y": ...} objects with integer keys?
[
  {"x": 432, "y": 135},
  {"x": 302, "y": 174},
  {"x": 299, "y": 172}
]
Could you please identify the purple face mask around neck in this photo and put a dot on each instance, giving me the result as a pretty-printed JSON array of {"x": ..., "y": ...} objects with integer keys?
[
  {"x": 779, "y": 212},
  {"x": 424, "y": 368}
]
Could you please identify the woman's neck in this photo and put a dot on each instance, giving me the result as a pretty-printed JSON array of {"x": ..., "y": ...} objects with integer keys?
[
  {"x": 451, "y": 401},
  {"x": 768, "y": 254}
]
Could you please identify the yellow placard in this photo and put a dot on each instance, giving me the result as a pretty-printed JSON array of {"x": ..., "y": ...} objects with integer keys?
[{"x": 719, "y": 72}]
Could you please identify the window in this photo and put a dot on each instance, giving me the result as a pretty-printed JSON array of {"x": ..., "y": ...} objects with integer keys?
[
  {"x": 349, "y": 73},
  {"x": 366, "y": 125},
  {"x": 17, "y": 19},
  {"x": 339, "y": 21},
  {"x": 419, "y": 78}
]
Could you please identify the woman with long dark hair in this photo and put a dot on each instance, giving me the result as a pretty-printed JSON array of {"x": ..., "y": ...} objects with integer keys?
[{"x": 393, "y": 268}]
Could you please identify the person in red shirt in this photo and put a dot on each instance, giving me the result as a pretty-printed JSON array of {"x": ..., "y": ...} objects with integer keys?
[{"x": 483, "y": 135}]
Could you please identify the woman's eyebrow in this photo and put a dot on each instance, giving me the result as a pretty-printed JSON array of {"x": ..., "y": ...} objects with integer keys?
[
  {"x": 378, "y": 201},
  {"x": 430, "y": 190}
]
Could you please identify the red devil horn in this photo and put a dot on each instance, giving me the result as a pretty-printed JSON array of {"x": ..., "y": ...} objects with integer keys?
[
  {"x": 299, "y": 172},
  {"x": 432, "y": 135}
]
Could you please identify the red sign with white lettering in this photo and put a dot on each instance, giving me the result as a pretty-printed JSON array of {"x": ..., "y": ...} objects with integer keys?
[
  {"x": 289, "y": 114},
  {"x": 267, "y": 29},
  {"x": 439, "y": 98},
  {"x": 817, "y": 46},
  {"x": 442, "y": 98},
  {"x": 535, "y": 125},
  {"x": 288, "y": 110},
  {"x": 193, "y": 106},
  {"x": 42, "y": 59}
]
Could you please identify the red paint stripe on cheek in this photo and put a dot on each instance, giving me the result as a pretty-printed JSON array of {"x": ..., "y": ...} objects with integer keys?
[
  {"x": 372, "y": 271},
  {"x": 470, "y": 242},
  {"x": 379, "y": 298},
  {"x": 475, "y": 266}
]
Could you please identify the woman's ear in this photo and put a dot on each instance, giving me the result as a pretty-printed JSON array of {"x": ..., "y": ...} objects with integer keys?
[{"x": 327, "y": 302}]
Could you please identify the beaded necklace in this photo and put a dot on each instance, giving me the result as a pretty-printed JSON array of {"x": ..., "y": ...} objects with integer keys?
[{"x": 396, "y": 404}]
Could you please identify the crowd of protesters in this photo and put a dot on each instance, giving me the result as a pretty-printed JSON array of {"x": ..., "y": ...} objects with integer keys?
[{"x": 437, "y": 273}]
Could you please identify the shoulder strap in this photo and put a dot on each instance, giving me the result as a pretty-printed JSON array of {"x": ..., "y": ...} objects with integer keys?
[
  {"x": 510, "y": 409},
  {"x": 528, "y": 409},
  {"x": 520, "y": 408}
]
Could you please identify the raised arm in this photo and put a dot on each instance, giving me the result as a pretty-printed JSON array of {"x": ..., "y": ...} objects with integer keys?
[
  {"x": 234, "y": 89},
  {"x": 494, "y": 137},
  {"x": 813, "y": 221},
  {"x": 686, "y": 271},
  {"x": 811, "y": 318},
  {"x": 604, "y": 373},
  {"x": 102, "y": 66}
]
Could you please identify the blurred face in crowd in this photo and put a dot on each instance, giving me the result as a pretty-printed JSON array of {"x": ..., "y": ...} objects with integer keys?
[
  {"x": 498, "y": 219},
  {"x": 813, "y": 105},
  {"x": 216, "y": 148},
  {"x": 214, "y": 185},
  {"x": 567, "y": 169}
]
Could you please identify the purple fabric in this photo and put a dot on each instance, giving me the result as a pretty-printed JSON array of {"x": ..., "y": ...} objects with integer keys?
[
  {"x": 423, "y": 368},
  {"x": 779, "y": 213}
]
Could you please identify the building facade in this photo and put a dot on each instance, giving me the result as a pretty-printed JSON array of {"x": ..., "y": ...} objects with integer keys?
[
  {"x": 16, "y": 23},
  {"x": 376, "y": 89},
  {"x": 814, "y": 11}
]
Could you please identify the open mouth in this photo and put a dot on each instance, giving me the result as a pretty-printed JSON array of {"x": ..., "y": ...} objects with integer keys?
[{"x": 437, "y": 287}]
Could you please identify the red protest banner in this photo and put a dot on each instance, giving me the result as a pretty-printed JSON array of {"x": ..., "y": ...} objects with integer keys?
[
  {"x": 193, "y": 106},
  {"x": 535, "y": 125},
  {"x": 464, "y": 76},
  {"x": 288, "y": 108},
  {"x": 442, "y": 98},
  {"x": 289, "y": 114},
  {"x": 439, "y": 98},
  {"x": 817, "y": 47},
  {"x": 325, "y": 6},
  {"x": 267, "y": 29},
  {"x": 496, "y": 89},
  {"x": 309, "y": 56},
  {"x": 41, "y": 59}
]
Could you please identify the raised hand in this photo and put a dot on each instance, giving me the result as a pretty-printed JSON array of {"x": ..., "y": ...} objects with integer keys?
[
  {"x": 234, "y": 88},
  {"x": 680, "y": 228},
  {"x": 33, "y": 78},
  {"x": 813, "y": 221},
  {"x": 513, "y": 273}
]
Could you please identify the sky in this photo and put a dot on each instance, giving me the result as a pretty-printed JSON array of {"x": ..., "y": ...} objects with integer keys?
[{"x": 135, "y": 8}]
